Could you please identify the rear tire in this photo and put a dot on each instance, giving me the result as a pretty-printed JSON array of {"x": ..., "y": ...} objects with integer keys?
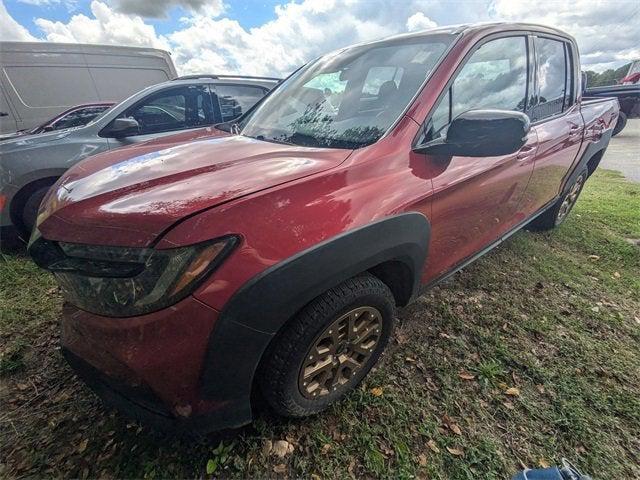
[
  {"x": 558, "y": 213},
  {"x": 328, "y": 348},
  {"x": 620, "y": 124}
]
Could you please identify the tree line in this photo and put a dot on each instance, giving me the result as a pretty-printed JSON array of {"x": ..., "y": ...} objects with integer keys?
[{"x": 608, "y": 77}]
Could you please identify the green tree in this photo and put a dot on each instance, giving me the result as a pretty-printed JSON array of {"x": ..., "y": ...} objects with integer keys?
[{"x": 608, "y": 77}]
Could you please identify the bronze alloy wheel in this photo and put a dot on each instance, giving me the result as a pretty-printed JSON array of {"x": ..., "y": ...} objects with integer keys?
[
  {"x": 569, "y": 200},
  {"x": 339, "y": 352}
]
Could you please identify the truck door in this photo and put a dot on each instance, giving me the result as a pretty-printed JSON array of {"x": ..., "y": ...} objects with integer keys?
[
  {"x": 476, "y": 200},
  {"x": 556, "y": 120},
  {"x": 8, "y": 122}
]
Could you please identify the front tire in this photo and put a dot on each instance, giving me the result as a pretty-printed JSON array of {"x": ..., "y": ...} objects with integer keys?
[
  {"x": 30, "y": 209},
  {"x": 559, "y": 212},
  {"x": 328, "y": 348}
]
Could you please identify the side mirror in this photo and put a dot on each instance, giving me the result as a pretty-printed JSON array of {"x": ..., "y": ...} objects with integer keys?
[
  {"x": 47, "y": 128},
  {"x": 123, "y": 127},
  {"x": 481, "y": 133}
]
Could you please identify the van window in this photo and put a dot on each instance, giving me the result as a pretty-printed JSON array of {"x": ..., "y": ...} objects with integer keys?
[
  {"x": 176, "y": 108},
  {"x": 237, "y": 99},
  {"x": 552, "y": 78}
]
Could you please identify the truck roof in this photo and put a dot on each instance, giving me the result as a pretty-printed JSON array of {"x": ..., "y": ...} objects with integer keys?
[{"x": 475, "y": 28}]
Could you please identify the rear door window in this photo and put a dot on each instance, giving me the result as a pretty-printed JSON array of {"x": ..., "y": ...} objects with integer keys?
[
  {"x": 176, "y": 108},
  {"x": 234, "y": 100},
  {"x": 551, "y": 78}
]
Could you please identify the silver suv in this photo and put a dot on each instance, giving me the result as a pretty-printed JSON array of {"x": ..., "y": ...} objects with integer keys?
[{"x": 30, "y": 165}]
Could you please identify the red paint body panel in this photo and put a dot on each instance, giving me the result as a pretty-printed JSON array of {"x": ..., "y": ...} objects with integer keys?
[
  {"x": 281, "y": 200},
  {"x": 173, "y": 340},
  {"x": 138, "y": 192}
]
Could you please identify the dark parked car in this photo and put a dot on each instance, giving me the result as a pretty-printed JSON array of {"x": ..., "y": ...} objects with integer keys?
[
  {"x": 270, "y": 254},
  {"x": 31, "y": 164},
  {"x": 73, "y": 117}
]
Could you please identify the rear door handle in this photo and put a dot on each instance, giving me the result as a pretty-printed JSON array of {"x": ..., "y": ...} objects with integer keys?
[{"x": 4, "y": 114}]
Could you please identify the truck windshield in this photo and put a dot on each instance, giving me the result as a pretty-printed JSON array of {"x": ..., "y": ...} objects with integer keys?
[{"x": 349, "y": 98}]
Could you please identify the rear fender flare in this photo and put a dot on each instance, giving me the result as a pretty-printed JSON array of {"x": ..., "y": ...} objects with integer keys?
[{"x": 583, "y": 164}]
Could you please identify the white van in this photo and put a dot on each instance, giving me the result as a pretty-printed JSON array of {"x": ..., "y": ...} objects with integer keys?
[{"x": 38, "y": 80}]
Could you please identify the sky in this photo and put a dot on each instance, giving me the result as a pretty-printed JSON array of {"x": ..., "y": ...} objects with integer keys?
[{"x": 273, "y": 37}]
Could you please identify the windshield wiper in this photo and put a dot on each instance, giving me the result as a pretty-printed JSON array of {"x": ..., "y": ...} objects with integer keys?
[{"x": 271, "y": 140}]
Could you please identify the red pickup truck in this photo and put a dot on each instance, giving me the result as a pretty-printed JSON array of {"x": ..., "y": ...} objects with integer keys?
[{"x": 269, "y": 255}]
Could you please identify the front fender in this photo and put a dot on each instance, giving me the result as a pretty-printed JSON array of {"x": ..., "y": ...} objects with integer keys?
[{"x": 260, "y": 308}]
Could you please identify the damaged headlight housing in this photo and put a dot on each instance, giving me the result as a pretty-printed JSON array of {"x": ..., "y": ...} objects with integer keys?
[{"x": 123, "y": 282}]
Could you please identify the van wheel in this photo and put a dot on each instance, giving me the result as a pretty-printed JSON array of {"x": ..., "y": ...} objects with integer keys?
[
  {"x": 328, "y": 348},
  {"x": 558, "y": 213},
  {"x": 620, "y": 124},
  {"x": 30, "y": 209}
]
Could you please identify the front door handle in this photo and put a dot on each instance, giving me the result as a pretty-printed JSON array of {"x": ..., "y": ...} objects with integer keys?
[
  {"x": 4, "y": 114},
  {"x": 526, "y": 152}
]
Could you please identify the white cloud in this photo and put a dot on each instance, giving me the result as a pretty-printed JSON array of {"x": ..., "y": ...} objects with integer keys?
[
  {"x": 207, "y": 41},
  {"x": 299, "y": 33},
  {"x": 106, "y": 27},
  {"x": 160, "y": 8},
  {"x": 10, "y": 30},
  {"x": 419, "y": 21},
  {"x": 607, "y": 32}
]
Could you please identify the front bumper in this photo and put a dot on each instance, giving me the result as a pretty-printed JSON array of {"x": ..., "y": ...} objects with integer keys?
[
  {"x": 141, "y": 404},
  {"x": 149, "y": 367}
]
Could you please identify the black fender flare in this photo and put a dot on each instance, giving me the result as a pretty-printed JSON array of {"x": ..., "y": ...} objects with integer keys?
[
  {"x": 592, "y": 149},
  {"x": 261, "y": 307}
]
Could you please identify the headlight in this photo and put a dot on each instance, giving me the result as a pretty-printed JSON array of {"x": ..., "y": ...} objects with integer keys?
[{"x": 123, "y": 282}]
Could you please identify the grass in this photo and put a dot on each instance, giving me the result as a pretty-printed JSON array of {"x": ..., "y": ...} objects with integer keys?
[{"x": 529, "y": 355}]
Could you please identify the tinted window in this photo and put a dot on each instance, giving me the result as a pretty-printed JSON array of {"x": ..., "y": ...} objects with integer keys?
[
  {"x": 176, "y": 108},
  {"x": 552, "y": 76},
  {"x": 79, "y": 117},
  {"x": 494, "y": 77},
  {"x": 236, "y": 99},
  {"x": 349, "y": 98}
]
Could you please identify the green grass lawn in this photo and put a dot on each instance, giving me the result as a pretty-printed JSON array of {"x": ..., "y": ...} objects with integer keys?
[{"x": 529, "y": 355}]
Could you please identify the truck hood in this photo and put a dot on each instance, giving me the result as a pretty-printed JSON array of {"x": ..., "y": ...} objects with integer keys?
[{"x": 131, "y": 195}]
